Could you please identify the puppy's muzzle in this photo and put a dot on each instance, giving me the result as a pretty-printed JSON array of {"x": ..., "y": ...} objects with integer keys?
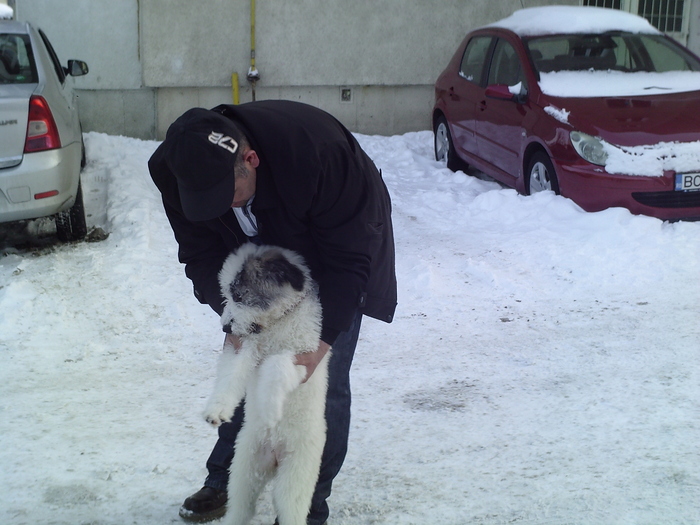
[{"x": 254, "y": 328}]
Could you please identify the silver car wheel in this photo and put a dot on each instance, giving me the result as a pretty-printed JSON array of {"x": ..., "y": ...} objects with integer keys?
[
  {"x": 540, "y": 179},
  {"x": 442, "y": 143}
]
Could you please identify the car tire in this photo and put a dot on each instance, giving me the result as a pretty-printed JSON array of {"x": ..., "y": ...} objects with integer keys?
[
  {"x": 71, "y": 224},
  {"x": 444, "y": 147},
  {"x": 83, "y": 156},
  {"x": 541, "y": 174}
]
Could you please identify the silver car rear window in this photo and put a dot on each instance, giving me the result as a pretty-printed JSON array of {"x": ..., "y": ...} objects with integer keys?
[{"x": 16, "y": 59}]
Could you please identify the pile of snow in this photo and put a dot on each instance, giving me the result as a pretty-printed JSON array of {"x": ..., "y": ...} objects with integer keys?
[
  {"x": 587, "y": 84},
  {"x": 541, "y": 368},
  {"x": 550, "y": 20},
  {"x": 652, "y": 160},
  {"x": 561, "y": 115}
]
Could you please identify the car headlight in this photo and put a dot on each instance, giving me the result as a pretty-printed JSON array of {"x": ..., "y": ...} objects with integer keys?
[{"x": 590, "y": 148}]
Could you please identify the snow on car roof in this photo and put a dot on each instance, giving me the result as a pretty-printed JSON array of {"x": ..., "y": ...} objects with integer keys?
[
  {"x": 6, "y": 12},
  {"x": 550, "y": 20}
]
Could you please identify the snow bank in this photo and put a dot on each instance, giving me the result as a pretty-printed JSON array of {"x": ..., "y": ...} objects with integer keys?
[{"x": 541, "y": 367}]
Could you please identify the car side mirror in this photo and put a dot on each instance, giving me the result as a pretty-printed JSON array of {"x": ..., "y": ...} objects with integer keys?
[
  {"x": 77, "y": 68},
  {"x": 517, "y": 93}
]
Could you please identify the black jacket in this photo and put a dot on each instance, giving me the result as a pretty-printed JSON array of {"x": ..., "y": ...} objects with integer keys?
[{"x": 318, "y": 193}]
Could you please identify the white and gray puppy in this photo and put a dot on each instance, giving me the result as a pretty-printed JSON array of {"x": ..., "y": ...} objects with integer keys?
[{"x": 272, "y": 306}]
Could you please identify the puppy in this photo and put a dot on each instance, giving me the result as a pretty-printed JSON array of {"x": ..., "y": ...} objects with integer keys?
[{"x": 271, "y": 304}]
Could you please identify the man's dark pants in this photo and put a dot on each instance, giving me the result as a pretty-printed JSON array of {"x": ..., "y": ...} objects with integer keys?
[{"x": 337, "y": 421}]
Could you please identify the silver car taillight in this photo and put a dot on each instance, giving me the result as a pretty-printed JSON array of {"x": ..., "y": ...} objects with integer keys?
[{"x": 42, "y": 133}]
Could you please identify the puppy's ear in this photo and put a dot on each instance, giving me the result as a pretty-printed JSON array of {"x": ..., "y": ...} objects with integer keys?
[{"x": 281, "y": 271}]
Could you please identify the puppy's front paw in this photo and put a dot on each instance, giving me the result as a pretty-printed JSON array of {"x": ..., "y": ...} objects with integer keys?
[{"x": 218, "y": 412}]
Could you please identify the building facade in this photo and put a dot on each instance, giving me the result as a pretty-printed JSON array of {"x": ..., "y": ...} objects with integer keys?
[{"x": 371, "y": 63}]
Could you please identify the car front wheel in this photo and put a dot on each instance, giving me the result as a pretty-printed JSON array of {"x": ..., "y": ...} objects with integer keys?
[
  {"x": 542, "y": 176},
  {"x": 444, "y": 148},
  {"x": 71, "y": 224}
]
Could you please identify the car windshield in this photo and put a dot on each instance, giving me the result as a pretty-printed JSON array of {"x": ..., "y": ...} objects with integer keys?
[
  {"x": 16, "y": 59},
  {"x": 627, "y": 52}
]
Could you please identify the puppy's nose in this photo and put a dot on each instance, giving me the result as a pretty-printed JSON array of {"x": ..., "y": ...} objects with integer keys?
[{"x": 227, "y": 328}]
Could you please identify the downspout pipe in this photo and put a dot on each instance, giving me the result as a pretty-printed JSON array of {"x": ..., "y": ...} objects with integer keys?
[{"x": 253, "y": 73}]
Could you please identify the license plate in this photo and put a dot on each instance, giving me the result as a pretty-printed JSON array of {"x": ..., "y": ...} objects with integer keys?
[{"x": 687, "y": 181}]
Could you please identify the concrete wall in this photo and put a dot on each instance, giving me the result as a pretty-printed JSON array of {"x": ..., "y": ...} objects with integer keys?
[
  {"x": 306, "y": 42},
  {"x": 387, "y": 52},
  {"x": 104, "y": 33},
  {"x": 150, "y": 60}
]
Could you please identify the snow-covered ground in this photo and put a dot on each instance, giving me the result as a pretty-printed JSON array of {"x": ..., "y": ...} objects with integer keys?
[{"x": 542, "y": 367}]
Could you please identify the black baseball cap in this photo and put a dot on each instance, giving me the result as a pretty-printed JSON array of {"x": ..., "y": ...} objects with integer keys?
[{"x": 200, "y": 148}]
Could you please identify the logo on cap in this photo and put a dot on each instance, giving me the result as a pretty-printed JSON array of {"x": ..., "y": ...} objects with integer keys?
[{"x": 224, "y": 141}]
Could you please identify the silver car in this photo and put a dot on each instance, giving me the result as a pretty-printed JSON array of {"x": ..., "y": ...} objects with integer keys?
[{"x": 41, "y": 146}]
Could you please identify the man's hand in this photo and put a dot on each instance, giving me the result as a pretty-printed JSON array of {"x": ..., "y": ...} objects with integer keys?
[
  {"x": 234, "y": 341},
  {"x": 311, "y": 359}
]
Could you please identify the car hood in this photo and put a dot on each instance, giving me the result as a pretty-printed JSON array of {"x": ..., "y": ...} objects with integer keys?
[
  {"x": 633, "y": 121},
  {"x": 14, "y": 113}
]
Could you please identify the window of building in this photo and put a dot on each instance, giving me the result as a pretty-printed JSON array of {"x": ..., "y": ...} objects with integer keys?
[
  {"x": 610, "y": 4},
  {"x": 669, "y": 16}
]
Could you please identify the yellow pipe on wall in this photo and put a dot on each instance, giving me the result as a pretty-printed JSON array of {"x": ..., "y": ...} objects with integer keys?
[
  {"x": 253, "y": 74},
  {"x": 234, "y": 88},
  {"x": 252, "y": 34}
]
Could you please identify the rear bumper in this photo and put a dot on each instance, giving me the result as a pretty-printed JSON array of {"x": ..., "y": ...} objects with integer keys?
[
  {"x": 594, "y": 190},
  {"x": 42, "y": 172}
]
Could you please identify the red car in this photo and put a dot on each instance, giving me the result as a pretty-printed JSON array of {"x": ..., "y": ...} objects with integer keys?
[{"x": 591, "y": 103}]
